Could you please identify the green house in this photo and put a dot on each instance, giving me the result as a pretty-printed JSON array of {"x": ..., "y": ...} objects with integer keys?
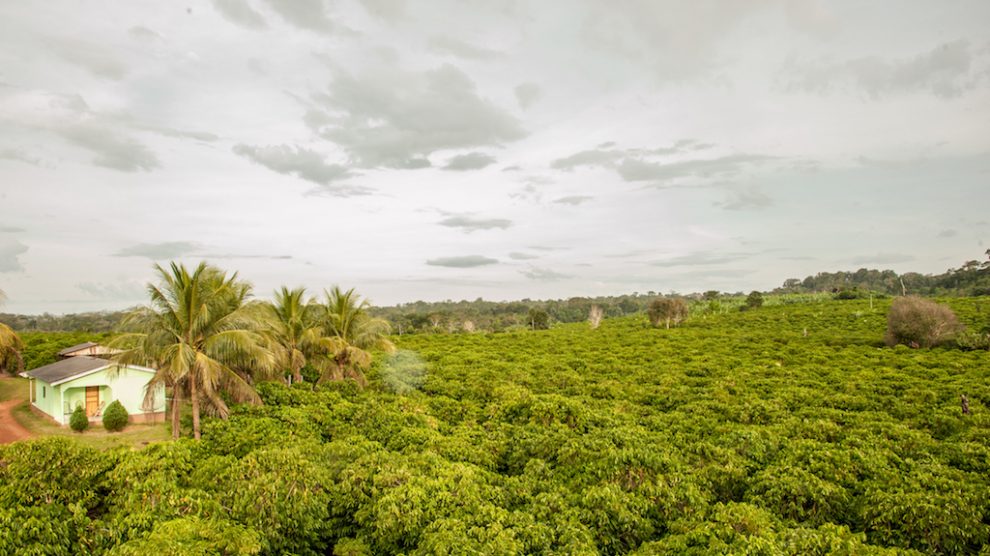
[{"x": 93, "y": 383}]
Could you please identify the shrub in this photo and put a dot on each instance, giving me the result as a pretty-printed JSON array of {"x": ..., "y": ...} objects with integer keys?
[
  {"x": 919, "y": 322},
  {"x": 753, "y": 301},
  {"x": 115, "y": 417},
  {"x": 667, "y": 310},
  {"x": 79, "y": 422}
]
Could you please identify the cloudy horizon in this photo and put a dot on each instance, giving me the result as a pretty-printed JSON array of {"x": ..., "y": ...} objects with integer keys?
[{"x": 502, "y": 149}]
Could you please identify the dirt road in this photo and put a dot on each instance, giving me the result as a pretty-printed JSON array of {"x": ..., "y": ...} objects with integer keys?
[{"x": 10, "y": 429}]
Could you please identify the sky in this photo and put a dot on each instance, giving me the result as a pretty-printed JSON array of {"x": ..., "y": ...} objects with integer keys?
[{"x": 499, "y": 149}]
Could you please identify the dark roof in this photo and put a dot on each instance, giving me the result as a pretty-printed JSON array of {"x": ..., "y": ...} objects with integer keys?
[
  {"x": 77, "y": 347},
  {"x": 66, "y": 369}
]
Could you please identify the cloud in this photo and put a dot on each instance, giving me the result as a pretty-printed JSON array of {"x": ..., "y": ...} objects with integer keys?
[
  {"x": 10, "y": 252},
  {"x": 97, "y": 59},
  {"x": 467, "y": 261},
  {"x": 944, "y": 234},
  {"x": 118, "y": 291},
  {"x": 469, "y": 161},
  {"x": 387, "y": 117},
  {"x": 742, "y": 199},
  {"x": 633, "y": 169},
  {"x": 158, "y": 251},
  {"x": 142, "y": 33},
  {"x": 20, "y": 156},
  {"x": 882, "y": 258},
  {"x": 593, "y": 157},
  {"x": 389, "y": 10},
  {"x": 642, "y": 165},
  {"x": 305, "y": 14},
  {"x": 10, "y": 229},
  {"x": 544, "y": 274},
  {"x": 241, "y": 13},
  {"x": 701, "y": 259},
  {"x": 293, "y": 160},
  {"x": 527, "y": 94},
  {"x": 455, "y": 47},
  {"x": 947, "y": 70},
  {"x": 183, "y": 133},
  {"x": 574, "y": 199},
  {"x": 112, "y": 149},
  {"x": 470, "y": 224},
  {"x": 522, "y": 256}
]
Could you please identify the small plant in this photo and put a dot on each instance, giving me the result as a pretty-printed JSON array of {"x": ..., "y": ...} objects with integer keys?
[
  {"x": 115, "y": 417},
  {"x": 79, "y": 422},
  {"x": 918, "y": 322}
]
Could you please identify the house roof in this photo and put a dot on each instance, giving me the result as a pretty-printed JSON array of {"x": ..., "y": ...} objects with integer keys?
[
  {"x": 67, "y": 368},
  {"x": 77, "y": 347}
]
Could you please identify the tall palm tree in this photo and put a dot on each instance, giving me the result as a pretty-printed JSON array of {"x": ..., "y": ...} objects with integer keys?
[
  {"x": 197, "y": 333},
  {"x": 350, "y": 333},
  {"x": 296, "y": 337},
  {"x": 11, "y": 346}
]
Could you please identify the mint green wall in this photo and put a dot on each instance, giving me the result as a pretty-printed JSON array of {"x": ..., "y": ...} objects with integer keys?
[{"x": 128, "y": 386}]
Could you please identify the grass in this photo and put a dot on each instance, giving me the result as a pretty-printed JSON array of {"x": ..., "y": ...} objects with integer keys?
[{"x": 133, "y": 436}]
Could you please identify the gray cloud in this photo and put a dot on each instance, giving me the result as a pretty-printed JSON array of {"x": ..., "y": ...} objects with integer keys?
[
  {"x": 10, "y": 229},
  {"x": 527, "y": 94},
  {"x": 883, "y": 258},
  {"x": 593, "y": 157},
  {"x": 112, "y": 149},
  {"x": 97, "y": 59},
  {"x": 470, "y": 224},
  {"x": 183, "y": 133},
  {"x": 573, "y": 199},
  {"x": 159, "y": 251},
  {"x": 522, "y": 256},
  {"x": 948, "y": 70},
  {"x": 701, "y": 259},
  {"x": 469, "y": 161},
  {"x": 293, "y": 160},
  {"x": 544, "y": 274},
  {"x": 392, "y": 118},
  {"x": 467, "y": 261},
  {"x": 742, "y": 199},
  {"x": 944, "y": 234},
  {"x": 240, "y": 13},
  {"x": 20, "y": 156},
  {"x": 142, "y": 33},
  {"x": 632, "y": 169},
  {"x": 10, "y": 252},
  {"x": 448, "y": 45},
  {"x": 305, "y": 14},
  {"x": 389, "y": 10}
]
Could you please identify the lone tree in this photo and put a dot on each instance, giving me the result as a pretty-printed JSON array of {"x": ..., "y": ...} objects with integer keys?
[
  {"x": 670, "y": 311},
  {"x": 753, "y": 301},
  {"x": 538, "y": 319},
  {"x": 918, "y": 322}
]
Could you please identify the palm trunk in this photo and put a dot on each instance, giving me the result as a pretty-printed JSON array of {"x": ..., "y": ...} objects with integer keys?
[
  {"x": 194, "y": 397},
  {"x": 176, "y": 409}
]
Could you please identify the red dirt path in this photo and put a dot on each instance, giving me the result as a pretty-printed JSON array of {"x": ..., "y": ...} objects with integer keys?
[{"x": 10, "y": 429}]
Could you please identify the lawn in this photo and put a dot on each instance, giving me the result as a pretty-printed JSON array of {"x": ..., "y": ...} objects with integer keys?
[{"x": 134, "y": 436}]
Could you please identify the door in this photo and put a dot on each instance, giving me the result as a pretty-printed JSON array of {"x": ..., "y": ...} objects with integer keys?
[{"x": 92, "y": 400}]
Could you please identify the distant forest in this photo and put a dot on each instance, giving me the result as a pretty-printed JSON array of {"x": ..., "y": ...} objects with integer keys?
[{"x": 972, "y": 278}]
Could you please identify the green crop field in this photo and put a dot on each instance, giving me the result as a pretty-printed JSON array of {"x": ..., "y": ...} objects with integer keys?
[{"x": 789, "y": 429}]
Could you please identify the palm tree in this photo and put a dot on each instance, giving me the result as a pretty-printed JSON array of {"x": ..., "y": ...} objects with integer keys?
[
  {"x": 350, "y": 333},
  {"x": 296, "y": 337},
  {"x": 11, "y": 347},
  {"x": 197, "y": 333}
]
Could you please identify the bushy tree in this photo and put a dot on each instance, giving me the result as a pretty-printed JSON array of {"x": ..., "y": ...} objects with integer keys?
[
  {"x": 918, "y": 322},
  {"x": 350, "y": 333},
  {"x": 78, "y": 421},
  {"x": 753, "y": 301},
  {"x": 538, "y": 319},
  {"x": 115, "y": 417},
  {"x": 669, "y": 311}
]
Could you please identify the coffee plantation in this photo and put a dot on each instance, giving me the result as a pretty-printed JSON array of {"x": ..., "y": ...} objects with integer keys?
[{"x": 783, "y": 429}]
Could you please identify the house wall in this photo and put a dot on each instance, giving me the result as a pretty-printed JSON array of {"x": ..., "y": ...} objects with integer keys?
[
  {"x": 48, "y": 399},
  {"x": 128, "y": 386}
]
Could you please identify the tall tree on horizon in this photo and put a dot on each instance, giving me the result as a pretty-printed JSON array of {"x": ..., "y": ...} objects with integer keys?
[
  {"x": 198, "y": 331},
  {"x": 351, "y": 332}
]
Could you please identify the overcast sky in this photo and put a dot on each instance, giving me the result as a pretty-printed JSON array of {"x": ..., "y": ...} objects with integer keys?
[{"x": 497, "y": 149}]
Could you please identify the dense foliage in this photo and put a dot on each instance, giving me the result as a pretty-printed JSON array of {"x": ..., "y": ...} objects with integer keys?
[
  {"x": 788, "y": 429},
  {"x": 115, "y": 416}
]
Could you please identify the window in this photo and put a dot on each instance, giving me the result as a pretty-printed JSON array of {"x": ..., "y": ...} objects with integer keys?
[{"x": 42, "y": 391}]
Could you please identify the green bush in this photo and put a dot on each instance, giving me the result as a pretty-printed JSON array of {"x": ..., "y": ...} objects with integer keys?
[
  {"x": 753, "y": 301},
  {"x": 79, "y": 422},
  {"x": 918, "y": 322},
  {"x": 115, "y": 417}
]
